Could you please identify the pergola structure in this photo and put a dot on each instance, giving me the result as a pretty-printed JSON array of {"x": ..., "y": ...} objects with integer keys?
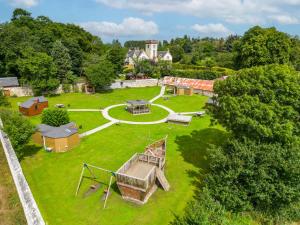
[{"x": 138, "y": 106}]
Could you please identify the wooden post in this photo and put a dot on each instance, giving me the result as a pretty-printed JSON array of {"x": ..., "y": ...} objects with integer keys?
[
  {"x": 80, "y": 179},
  {"x": 107, "y": 191}
]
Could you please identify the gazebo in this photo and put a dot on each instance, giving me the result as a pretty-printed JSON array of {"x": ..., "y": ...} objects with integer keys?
[{"x": 138, "y": 106}]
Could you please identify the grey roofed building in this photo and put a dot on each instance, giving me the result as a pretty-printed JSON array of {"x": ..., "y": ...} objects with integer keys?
[
  {"x": 58, "y": 132},
  {"x": 161, "y": 53},
  {"x": 31, "y": 101},
  {"x": 138, "y": 102},
  {"x": 9, "y": 82}
]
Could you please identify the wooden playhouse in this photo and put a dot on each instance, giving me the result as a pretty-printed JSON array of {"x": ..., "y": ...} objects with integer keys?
[
  {"x": 57, "y": 139},
  {"x": 138, "y": 178},
  {"x": 33, "y": 106}
]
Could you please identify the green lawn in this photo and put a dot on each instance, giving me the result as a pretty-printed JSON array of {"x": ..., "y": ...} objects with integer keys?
[
  {"x": 53, "y": 177},
  {"x": 84, "y": 120},
  {"x": 184, "y": 103},
  {"x": 96, "y": 101},
  {"x": 155, "y": 114}
]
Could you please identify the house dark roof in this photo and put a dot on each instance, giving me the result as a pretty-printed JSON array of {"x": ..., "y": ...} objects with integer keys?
[
  {"x": 58, "y": 132},
  {"x": 27, "y": 104},
  {"x": 161, "y": 54},
  {"x": 137, "y": 102},
  {"x": 9, "y": 82}
]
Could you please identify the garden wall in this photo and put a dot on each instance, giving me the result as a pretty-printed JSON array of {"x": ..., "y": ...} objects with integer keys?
[
  {"x": 135, "y": 83},
  {"x": 31, "y": 210}
]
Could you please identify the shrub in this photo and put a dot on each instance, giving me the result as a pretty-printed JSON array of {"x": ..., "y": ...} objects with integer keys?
[
  {"x": 55, "y": 117},
  {"x": 18, "y": 128},
  {"x": 3, "y": 99}
]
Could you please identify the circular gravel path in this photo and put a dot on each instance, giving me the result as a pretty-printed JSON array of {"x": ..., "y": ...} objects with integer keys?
[{"x": 108, "y": 117}]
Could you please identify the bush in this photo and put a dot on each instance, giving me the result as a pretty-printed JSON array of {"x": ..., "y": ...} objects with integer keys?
[
  {"x": 66, "y": 88},
  {"x": 3, "y": 99},
  {"x": 55, "y": 117},
  {"x": 196, "y": 74},
  {"x": 18, "y": 128}
]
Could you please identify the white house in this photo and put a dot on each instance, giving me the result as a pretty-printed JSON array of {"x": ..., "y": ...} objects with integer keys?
[{"x": 150, "y": 53}]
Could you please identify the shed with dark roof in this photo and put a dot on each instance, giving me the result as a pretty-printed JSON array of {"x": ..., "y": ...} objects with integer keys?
[
  {"x": 7, "y": 83},
  {"x": 57, "y": 139},
  {"x": 33, "y": 106}
]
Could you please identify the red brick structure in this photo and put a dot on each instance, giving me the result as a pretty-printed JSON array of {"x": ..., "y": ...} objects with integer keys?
[{"x": 33, "y": 106}]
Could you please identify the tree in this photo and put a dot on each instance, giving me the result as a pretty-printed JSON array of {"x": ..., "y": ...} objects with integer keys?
[
  {"x": 3, "y": 99},
  {"x": 19, "y": 13},
  {"x": 39, "y": 70},
  {"x": 260, "y": 103},
  {"x": 246, "y": 175},
  {"x": 62, "y": 60},
  {"x": 177, "y": 52},
  {"x": 55, "y": 117},
  {"x": 100, "y": 74},
  {"x": 262, "y": 46},
  {"x": 206, "y": 211},
  {"x": 116, "y": 55},
  {"x": 18, "y": 128}
]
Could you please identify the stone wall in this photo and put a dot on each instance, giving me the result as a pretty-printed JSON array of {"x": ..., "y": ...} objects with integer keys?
[
  {"x": 135, "y": 83},
  {"x": 31, "y": 210}
]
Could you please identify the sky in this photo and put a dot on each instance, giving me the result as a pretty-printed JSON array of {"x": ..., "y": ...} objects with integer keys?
[{"x": 163, "y": 19}]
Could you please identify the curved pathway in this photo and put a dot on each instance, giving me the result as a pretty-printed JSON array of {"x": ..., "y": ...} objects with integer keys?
[
  {"x": 108, "y": 117},
  {"x": 105, "y": 113}
]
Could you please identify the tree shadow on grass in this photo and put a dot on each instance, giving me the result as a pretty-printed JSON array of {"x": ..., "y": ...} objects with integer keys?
[
  {"x": 194, "y": 150},
  {"x": 29, "y": 150}
]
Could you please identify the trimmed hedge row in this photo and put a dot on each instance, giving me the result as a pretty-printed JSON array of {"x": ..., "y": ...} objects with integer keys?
[{"x": 197, "y": 74}]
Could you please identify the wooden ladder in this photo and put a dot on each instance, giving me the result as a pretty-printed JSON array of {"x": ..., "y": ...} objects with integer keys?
[{"x": 162, "y": 179}]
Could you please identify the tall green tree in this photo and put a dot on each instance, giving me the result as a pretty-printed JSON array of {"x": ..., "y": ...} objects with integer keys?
[
  {"x": 116, "y": 55},
  {"x": 62, "y": 60},
  {"x": 39, "y": 70},
  {"x": 262, "y": 46},
  {"x": 100, "y": 73},
  {"x": 177, "y": 52},
  {"x": 55, "y": 117}
]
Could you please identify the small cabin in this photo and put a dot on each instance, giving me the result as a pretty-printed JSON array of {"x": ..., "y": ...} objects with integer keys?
[
  {"x": 33, "y": 106},
  {"x": 184, "y": 90},
  {"x": 7, "y": 84},
  {"x": 136, "y": 107},
  {"x": 138, "y": 178},
  {"x": 57, "y": 139}
]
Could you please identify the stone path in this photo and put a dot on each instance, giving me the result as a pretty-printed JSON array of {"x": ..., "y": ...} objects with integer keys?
[
  {"x": 162, "y": 92},
  {"x": 84, "y": 110},
  {"x": 188, "y": 113},
  {"x": 97, "y": 129}
]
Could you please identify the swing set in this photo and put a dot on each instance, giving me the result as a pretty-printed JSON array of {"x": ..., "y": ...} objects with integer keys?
[{"x": 89, "y": 168}]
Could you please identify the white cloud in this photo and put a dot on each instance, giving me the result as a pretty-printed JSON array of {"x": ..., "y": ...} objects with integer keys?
[
  {"x": 212, "y": 29},
  {"x": 285, "y": 19},
  {"x": 231, "y": 11},
  {"x": 23, "y": 3},
  {"x": 128, "y": 27}
]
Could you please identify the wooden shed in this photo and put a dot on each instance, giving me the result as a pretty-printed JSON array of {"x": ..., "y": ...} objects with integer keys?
[
  {"x": 137, "y": 179},
  {"x": 57, "y": 139},
  {"x": 33, "y": 106},
  {"x": 7, "y": 84},
  {"x": 184, "y": 90}
]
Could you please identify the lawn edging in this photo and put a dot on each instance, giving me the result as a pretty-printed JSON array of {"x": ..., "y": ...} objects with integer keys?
[{"x": 31, "y": 210}]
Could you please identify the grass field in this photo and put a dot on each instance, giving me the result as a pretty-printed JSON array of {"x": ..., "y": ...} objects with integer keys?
[
  {"x": 53, "y": 177},
  {"x": 11, "y": 212},
  {"x": 155, "y": 114}
]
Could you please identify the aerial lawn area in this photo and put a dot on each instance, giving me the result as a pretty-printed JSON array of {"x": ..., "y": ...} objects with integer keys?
[
  {"x": 53, "y": 177},
  {"x": 184, "y": 103},
  {"x": 156, "y": 113}
]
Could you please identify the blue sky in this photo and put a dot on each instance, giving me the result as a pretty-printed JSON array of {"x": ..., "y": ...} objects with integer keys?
[{"x": 164, "y": 19}]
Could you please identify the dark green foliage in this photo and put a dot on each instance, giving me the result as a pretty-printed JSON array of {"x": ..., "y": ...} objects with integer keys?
[
  {"x": 260, "y": 103},
  {"x": 18, "y": 128},
  {"x": 245, "y": 175},
  {"x": 3, "y": 99},
  {"x": 261, "y": 46},
  {"x": 257, "y": 169},
  {"x": 135, "y": 44},
  {"x": 39, "y": 70},
  {"x": 100, "y": 74},
  {"x": 55, "y": 117},
  {"x": 196, "y": 74},
  {"x": 177, "y": 52},
  {"x": 116, "y": 56},
  {"x": 207, "y": 211}
]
